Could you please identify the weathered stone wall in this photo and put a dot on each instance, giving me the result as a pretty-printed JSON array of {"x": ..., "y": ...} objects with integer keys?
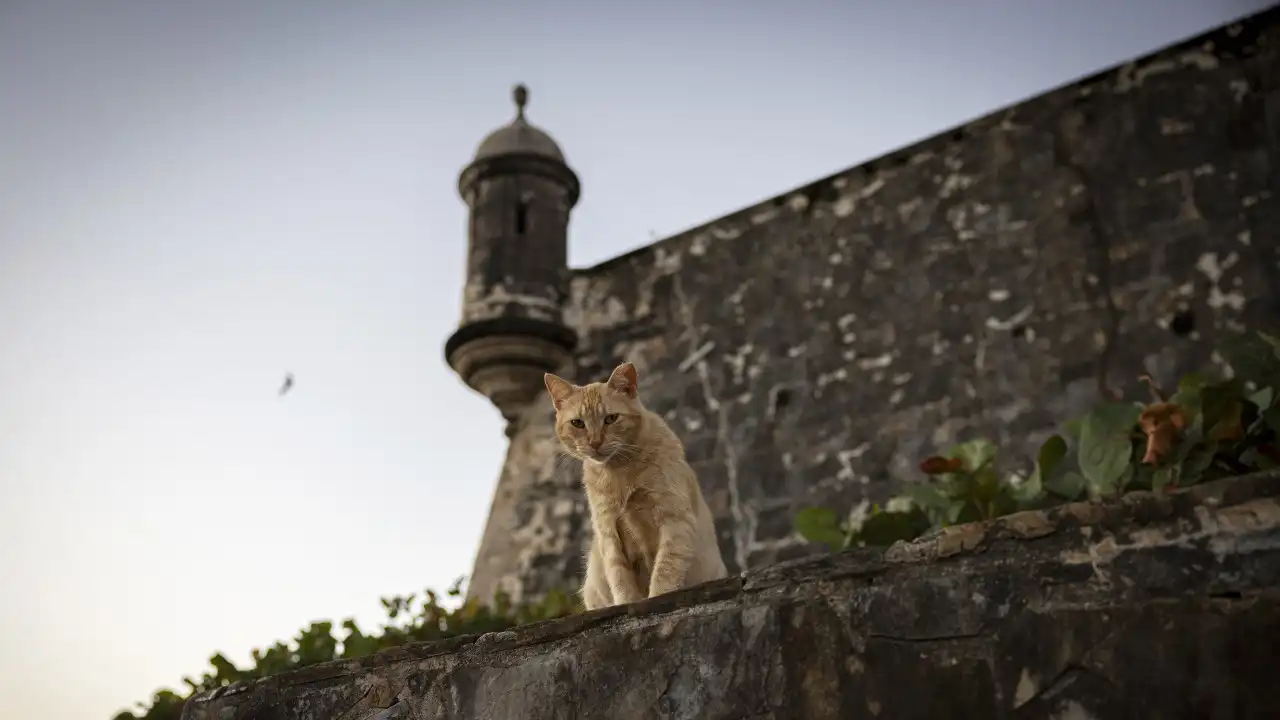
[
  {"x": 988, "y": 281},
  {"x": 1151, "y": 607}
]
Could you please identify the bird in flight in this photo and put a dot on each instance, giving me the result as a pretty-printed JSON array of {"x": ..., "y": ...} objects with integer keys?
[{"x": 288, "y": 383}]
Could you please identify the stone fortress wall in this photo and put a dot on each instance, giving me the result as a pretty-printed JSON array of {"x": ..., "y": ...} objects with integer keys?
[{"x": 992, "y": 281}]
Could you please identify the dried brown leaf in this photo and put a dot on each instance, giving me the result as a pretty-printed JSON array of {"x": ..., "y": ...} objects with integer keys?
[
  {"x": 937, "y": 465},
  {"x": 1162, "y": 422}
]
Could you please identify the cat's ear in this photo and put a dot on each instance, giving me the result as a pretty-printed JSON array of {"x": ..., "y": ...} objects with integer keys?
[
  {"x": 559, "y": 389},
  {"x": 623, "y": 379}
]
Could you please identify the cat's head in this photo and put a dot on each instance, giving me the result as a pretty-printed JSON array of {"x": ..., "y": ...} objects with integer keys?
[{"x": 600, "y": 421}]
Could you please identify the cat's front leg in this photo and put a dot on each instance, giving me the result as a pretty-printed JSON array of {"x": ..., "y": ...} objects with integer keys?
[
  {"x": 617, "y": 571},
  {"x": 675, "y": 555},
  {"x": 595, "y": 587}
]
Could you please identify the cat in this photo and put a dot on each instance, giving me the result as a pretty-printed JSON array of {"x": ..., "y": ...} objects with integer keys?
[{"x": 652, "y": 532}]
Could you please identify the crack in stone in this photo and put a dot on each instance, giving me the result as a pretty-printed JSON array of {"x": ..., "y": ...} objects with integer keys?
[
  {"x": 1059, "y": 683},
  {"x": 743, "y": 523},
  {"x": 1076, "y": 668},
  {"x": 1102, "y": 265},
  {"x": 931, "y": 640}
]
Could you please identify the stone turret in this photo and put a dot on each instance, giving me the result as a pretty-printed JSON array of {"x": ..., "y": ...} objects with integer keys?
[{"x": 520, "y": 191}]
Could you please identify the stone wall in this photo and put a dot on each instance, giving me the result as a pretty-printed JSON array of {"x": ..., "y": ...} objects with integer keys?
[
  {"x": 1149, "y": 607},
  {"x": 991, "y": 280}
]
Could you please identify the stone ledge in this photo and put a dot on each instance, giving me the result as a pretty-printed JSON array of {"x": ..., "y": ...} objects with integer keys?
[{"x": 1149, "y": 606}]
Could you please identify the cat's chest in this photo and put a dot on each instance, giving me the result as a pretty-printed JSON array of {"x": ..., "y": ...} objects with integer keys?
[{"x": 637, "y": 520}]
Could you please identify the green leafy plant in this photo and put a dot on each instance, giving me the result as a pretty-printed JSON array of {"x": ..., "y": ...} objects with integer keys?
[
  {"x": 865, "y": 524},
  {"x": 409, "y": 619},
  {"x": 1210, "y": 428}
]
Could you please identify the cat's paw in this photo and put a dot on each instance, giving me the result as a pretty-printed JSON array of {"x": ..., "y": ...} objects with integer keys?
[
  {"x": 661, "y": 590},
  {"x": 627, "y": 596}
]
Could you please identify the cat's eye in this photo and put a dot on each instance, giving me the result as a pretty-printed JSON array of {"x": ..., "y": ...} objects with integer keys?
[
  {"x": 611, "y": 419},
  {"x": 577, "y": 422}
]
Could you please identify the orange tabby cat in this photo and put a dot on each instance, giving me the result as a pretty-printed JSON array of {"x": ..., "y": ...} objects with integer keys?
[{"x": 652, "y": 532}]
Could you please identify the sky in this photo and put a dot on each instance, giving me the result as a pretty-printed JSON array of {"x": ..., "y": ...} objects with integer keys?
[{"x": 198, "y": 197}]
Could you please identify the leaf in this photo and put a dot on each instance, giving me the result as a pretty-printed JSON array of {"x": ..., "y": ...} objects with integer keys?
[
  {"x": 885, "y": 528},
  {"x": 1271, "y": 416},
  {"x": 1126, "y": 478},
  {"x": 1072, "y": 428},
  {"x": 976, "y": 453},
  {"x": 1263, "y": 398},
  {"x": 1222, "y": 410},
  {"x": 1271, "y": 340},
  {"x": 1263, "y": 457},
  {"x": 1069, "y": 486},
  {"x": 1193, "y": 381},
  {"x": 1196, "y": 461},
  {"x": 963, "y": 511},
  {"x": 1253, "y": 357},
  {"x": 930, "y": 499},
  {"x": 1102, "y": 487},
  {"x": 978, "y": 484},
  {"x": 820, "y": 525},
  {"x": 1052, "y": 451},
  {"x": 1141, "y": 477},
  {"x": 1105, "y": 445},
  {"x": 927, "y": 496}
]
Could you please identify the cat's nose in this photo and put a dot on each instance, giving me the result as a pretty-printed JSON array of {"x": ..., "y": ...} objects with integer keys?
[{"x": 596, "y": 443}]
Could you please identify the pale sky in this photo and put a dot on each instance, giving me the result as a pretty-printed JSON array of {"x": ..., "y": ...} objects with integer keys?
[{"x": 196, "y": 197}]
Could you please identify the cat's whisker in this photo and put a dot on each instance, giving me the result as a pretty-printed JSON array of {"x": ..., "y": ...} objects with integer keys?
[{"x": 564, "y": 460}]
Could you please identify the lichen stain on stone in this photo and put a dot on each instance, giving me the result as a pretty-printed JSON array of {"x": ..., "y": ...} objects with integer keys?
[
  {"x": 764, "y": 216},
  {"x": 846, "y": 458},
  {"x": 1187, "y": 210},
  {"x": 737, "y": 361},
  {"x": 960, "y": 538},
  {"x": 1084, "y": 513},
  {"x": 1028, "y": 525},
  {"x": 880, "y": 361},
  {"x": 1247, "y": 517},
  {"x": 1239, "y": 89},
  {"x": 1134, "y": 74},
  {"x": 1209, "y": 265},
  {"x": 666, "y": 261},
  {"x": 958, "y": 217},
  {"x": 955, "y": 183},
  {"x": 1012, "y": 321},
  {"x": 839, "y": 374},
  {"x": 726, "y": 232},
  {"x": 871, "y": 188},
  {"x": 921, "y": 158},
  {"x": 482, "y": 302},
  {"x": 597, "y": 313},
  {"x": 844, "y": 207}
]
